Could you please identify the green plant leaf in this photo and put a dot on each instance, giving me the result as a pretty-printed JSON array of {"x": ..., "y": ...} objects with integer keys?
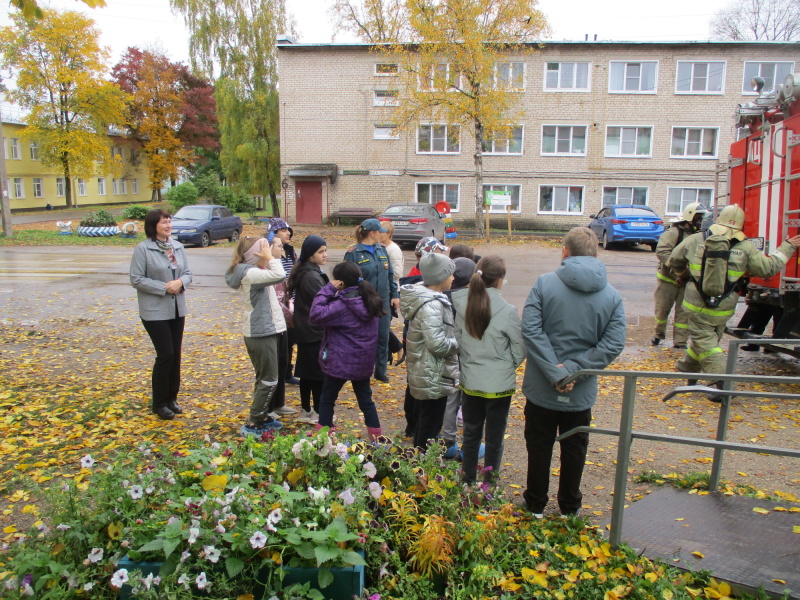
[
  {"x": 353, "y": 558},
  {"x": 326, "y": 553},
  {"x": 234, "y": 566},
  {"x": 169, "y": 566},
  {"x": 306, "y": 550},
  {"x": 152, "y": 546},
  {"x": 170, "y": 544},
  {"x": 325, "y": 578}
]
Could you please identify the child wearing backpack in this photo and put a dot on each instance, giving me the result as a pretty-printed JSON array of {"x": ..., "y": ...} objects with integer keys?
[
  {"x": 348, "y": 308},
  {"x": 489, "y": 334}
]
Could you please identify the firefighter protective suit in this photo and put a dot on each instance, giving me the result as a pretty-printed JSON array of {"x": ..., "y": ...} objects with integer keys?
[
  {"x": 670, "y": 288},
  {"x": 706, "y": 323}
]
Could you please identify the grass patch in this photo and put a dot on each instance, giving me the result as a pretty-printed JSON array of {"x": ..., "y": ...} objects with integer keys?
[{"x": 699, "y": 480}]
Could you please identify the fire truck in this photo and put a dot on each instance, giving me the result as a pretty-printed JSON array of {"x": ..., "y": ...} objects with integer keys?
[{"x": 764, "y": 179}]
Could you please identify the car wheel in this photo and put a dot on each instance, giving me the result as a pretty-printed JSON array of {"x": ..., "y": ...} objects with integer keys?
[
  {"x": 205, "y": 240},
  {"x": 235, "y": 235},
  {"x": 606, "y": 243}
]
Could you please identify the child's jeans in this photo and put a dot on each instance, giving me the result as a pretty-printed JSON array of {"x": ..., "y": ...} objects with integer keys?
[{"x": 331, "y": 387}]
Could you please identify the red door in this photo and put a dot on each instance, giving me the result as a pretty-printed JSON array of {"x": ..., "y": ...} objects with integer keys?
[{"x": 308, "y": 195}]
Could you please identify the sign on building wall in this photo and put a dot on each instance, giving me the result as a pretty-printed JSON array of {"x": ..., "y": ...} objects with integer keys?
[{"x": 498, "y": 199}]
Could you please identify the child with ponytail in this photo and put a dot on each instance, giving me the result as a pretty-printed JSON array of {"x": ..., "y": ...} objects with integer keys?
[
  {"x": 489, "y": 334},
  {"x": 348, "y": 308}
]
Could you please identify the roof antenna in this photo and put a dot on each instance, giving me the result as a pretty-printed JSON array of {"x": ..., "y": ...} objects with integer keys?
[
  {"x": 587, "y": 38},
  {"x": 595, "y": 37}
]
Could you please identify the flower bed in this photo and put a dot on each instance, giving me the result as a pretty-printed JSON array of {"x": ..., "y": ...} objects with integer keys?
[{"x": 237, "y": 521}]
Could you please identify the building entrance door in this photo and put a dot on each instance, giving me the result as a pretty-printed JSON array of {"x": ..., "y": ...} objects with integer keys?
[{"x": 308, "y": 195}]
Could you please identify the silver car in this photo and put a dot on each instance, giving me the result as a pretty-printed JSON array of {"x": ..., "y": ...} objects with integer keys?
[{"x": 412, "y": 222}]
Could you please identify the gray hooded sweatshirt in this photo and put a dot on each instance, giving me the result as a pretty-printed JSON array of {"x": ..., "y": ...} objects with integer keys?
[
  {"x": 574, "y": 318},
  {"x": 263, "y": 315}
]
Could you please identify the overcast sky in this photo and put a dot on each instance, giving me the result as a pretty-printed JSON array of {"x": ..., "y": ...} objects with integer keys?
[{"x": 150, "y": 23}]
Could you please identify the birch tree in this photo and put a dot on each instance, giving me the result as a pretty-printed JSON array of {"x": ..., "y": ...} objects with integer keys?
[
  {"x": 373, "y": 21},
  {"x": 750, "y": 20}
]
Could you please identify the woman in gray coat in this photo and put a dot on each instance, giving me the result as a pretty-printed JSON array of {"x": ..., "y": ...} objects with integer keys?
[{"x": 160, "y": 274}]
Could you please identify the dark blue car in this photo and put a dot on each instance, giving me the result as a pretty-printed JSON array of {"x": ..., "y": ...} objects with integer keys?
[
  {"x": 201, "y": 224},
  {"x": 627, "y": 224}
]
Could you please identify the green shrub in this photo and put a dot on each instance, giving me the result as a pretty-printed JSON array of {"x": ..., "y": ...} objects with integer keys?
[
  {"x": 101, "y": 218},
  {"x": 182, "y": 195},
  {"x": 207, "y": 186},
  {"x": 136, "y": 212}
]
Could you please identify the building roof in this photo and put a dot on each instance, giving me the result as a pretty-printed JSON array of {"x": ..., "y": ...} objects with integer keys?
[{"x": 285, "y": 44}]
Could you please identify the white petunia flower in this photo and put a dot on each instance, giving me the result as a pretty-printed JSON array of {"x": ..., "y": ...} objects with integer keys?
[
  {"x": 258, "y": 539},
  {"x": 136, "y": 492},
  {"x": 194, "y": 533},
  {"x": 119, "y": 578},
  {"x": 201, "y": 581},
  {"x": 347, "y": 497},
  {"x": 375, "y": 489},
  {"x": 370, "y": 470},
  {"x": 63, "y": 527},
  {"x": 275, "y": 516},
  {"x": 212, "y": 553},
  {"x": 88, "y": 586},
  {"x": 184, "y": 581},
  {"x": 96, "y": 555},
  {"x": 87, "y": 462}
]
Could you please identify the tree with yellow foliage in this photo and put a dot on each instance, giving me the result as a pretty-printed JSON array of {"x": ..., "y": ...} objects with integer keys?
[
  {"x": 465, "y": 70},
  {"x": 373, "y": 21},
  {"x": 60, "y": 79}
]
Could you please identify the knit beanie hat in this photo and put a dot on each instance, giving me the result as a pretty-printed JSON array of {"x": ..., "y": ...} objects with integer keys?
[
  {"x": 435, "y": 268},
  {"x": 465, "y": 267},
  {"x": 310, "y": 246}
]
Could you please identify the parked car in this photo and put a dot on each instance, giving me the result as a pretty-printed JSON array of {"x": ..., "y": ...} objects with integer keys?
[
  {"x": 201, "y": 224},
  {"x": 412, "y": 222},
  {"x": 627, "y": 224}
]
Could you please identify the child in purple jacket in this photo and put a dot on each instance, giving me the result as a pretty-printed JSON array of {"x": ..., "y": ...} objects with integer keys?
[{"x": 348, "y": 308}]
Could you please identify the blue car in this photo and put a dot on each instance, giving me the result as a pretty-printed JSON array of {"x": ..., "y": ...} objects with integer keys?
[
  {"x": 201, "y": 224},
  {"x": 627, "y": 224}
]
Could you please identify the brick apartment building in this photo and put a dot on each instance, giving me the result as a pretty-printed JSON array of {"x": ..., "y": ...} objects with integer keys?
[{"x": 602, "y": 122}]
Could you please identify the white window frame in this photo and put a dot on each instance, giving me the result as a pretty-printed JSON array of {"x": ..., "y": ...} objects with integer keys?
[
  {"x": 446, "y": 137},
  {"x": 694, "y": 128},
  {"x": 510, "y": 86},
  {"x": 16, "y": 153},
  {"x": 571, "y": 138},
  {"x": 115, "y": 186},
  {"x": 116, "y": 151},
  {"x": 559, "y": 212},
  {"x": 394, "y": 73},
  {"x": 747, "y": 90},
  {"x": 503, "y": 210},
  {"x": 507, "y": 140},
  {"x": 426, "y": 82},
  {"x": 135, "y": 185},
  {"x": 19, "y": 187},
  {"x": 60, "y": 187},
  {"x": 38, "y": 187},
  {"x": 385, "y": 131},
  {"x": 561, "y": 88},
  {"x": 81, "y": 186},
  {"x": 634, "y": 155},
  {"x": 705, "y": 92},
  {"x": 453, "y": 207},
  {"x": 685, "y": 201},
  {"x": 101, "y": 186},
  {"x": 385, "y": 98},
  {"x": 34, "y": 150},
  {"x": 632, "y": 188},
  {"x": 625, "y": 77},
  {"x": 123, "y": 186}
]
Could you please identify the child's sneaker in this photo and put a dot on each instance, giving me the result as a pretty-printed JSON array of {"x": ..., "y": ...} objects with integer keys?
[
  {"x": 257, "y": 430},
  {"x": 284, "y": 410},
  {"x": 310, "y": 417}
]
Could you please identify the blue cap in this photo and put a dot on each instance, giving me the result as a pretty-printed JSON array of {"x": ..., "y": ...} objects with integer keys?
[{"x": 372, "y": 225}]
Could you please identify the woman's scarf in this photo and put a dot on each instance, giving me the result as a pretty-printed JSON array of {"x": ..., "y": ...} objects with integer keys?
[{"x": 168, "y": 250}]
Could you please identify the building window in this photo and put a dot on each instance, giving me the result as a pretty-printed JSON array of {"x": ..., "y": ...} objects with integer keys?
[
  {"x": 431, "y": 193},
  {"x": 436, "y": 139},
  {"x": 123, "y": 186},
  {"x": 135, "y": 185},
  {"x": 386, "y": 69},
  {"x": 624, "y": 195},
  {"x": 511, "y": 190},
  {"x": 628, "y": 141},
  {"x": 38, "y": 188},
  {"x": 571, "y": 76},
  {"x": 564, "y": 140},
  {"x": 81, "y": 187},
  {"x": 34, "y": 150},
  {"x": 116, "y": 152},
  {"x": 633, "y": 77},
  {"x": 562, "y": 199},
  {"x": 679, "y": 198},
  {"x": 385, "y": 132},
  {"x": 440, "y": 76},
  {"x": 509, "y": 75},
  {"x": 700, "y": 77},
  {"x": 101, "y": 186},
  {"x": 60, "y": 187},
  {"x": 773, "y": 73},
  {"x": 386, "y": 98},
  {"x": 19, "y": 188},
  {"x": 115, "y": 186},
  {"x": 694, "y": 142},
  {"x": 505, "y": 142},
  {"x": 15, "y": 152}
]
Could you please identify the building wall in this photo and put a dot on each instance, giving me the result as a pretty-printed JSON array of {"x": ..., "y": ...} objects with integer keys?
[
  {"x": 132, "y": 184},
  {"x": 328, "y": 117}
]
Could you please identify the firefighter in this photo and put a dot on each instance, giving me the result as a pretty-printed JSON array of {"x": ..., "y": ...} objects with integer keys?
[
  {"x": 708, "y": 316},
  {"x": 670, "y": 288}
]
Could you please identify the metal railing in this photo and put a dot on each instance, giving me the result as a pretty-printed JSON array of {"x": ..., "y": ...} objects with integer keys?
[{"x": 627, "y": 434}]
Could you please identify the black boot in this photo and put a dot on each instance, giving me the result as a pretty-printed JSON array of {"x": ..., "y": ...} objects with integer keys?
[
  {"x": 655, "y": 341},
  {"x": 716, "y": 398}
]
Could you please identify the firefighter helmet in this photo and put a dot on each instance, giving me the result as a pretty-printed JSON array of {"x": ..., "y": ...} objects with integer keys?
[
  {"x": 731, "y": 216},
  {"x": 689, "y": 213}
]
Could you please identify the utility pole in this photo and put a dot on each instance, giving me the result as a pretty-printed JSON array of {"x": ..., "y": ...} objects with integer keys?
[{"x": 4, "y": 197}]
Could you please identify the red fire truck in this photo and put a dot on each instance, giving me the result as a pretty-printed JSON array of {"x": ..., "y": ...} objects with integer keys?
[{"x": 764, "y": 179}]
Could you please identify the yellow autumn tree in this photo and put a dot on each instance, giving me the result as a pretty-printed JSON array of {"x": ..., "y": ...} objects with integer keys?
[
  {"x": 60, "y": 70},
  {"x": 465, "y": 70},
  {"x": 373, "y": 21}
]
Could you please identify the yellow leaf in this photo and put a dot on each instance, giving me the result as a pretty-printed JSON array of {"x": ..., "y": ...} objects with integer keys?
[
  {"x": 246, "y": 597},
  {"x": 214, "y": 482},
  {"x": 796, "y": 529},
  {"x": 294, "y": 476},
  {"x": 794, "y": 509},
  {"x": 761, "y": 511},
  {"x": 515, "y": 486},
  {"x": 9, "y": 529},
  {"x": 680, "y": 519},
  {"x": 528, "y": 574},
  {"x": 667, "y": 594},
  {"x": 781, "y": 581},
  {"x": 651, "y": 577},
  {"x": 219, "y": 460},
  {"x": 724, "y": 589},
  {"x": 698, "y": 554},
  {"x": 30, "y": 508},
  {"x": 785, "y": 496}
]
